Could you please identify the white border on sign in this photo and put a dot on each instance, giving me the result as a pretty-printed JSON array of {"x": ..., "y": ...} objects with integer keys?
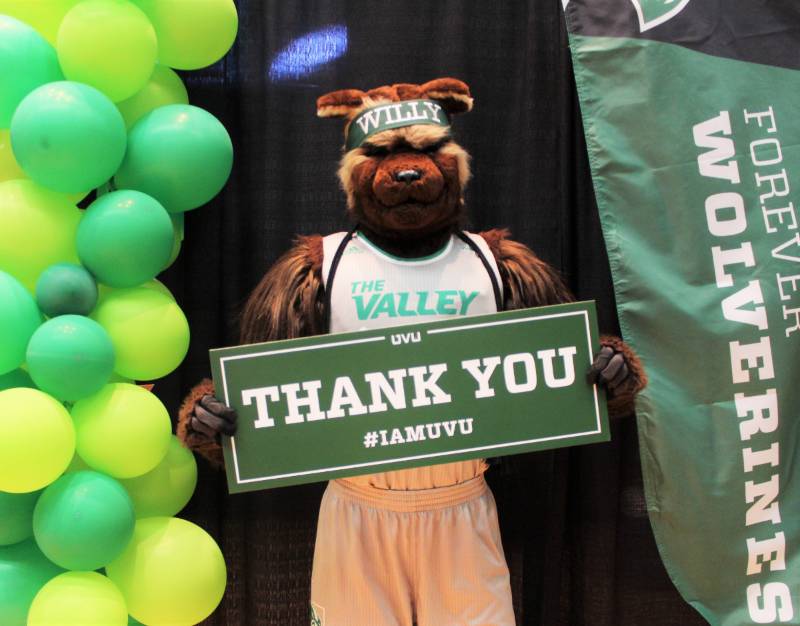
[{"x": 435, "y": 331}]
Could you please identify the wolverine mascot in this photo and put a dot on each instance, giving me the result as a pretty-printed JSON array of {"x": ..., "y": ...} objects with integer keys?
[{"x": 422, "y": 545}]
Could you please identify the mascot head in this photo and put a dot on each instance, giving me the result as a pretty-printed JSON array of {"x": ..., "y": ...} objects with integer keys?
[{"x": 403, "y": 174}]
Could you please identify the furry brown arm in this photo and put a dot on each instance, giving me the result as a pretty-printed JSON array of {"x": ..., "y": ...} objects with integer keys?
[
  {"x": 287, "y": 303},
  {"x": 528, "y": 281}
]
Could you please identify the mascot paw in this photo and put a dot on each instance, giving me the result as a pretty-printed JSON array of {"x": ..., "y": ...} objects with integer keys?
[
  {"x": 212, "y": 417},
  {"x": 617, "y": 368},
  {"x": 609, "y": 369}
]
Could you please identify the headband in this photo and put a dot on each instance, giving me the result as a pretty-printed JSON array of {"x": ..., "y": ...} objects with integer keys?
[{"x": 394, "y": 115}]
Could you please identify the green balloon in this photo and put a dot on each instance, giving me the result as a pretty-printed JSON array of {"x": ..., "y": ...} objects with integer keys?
[
  {"x": 78, "y": 599},
  {"x": 148, "y": 329},
  {"x": 68, "y": 136},
  {"x": 167, "y": 488},
  {"x": 172, "y": 572},
  {"x": 122, "y": 430},
  {"x": 125, "y": 238},
  {"x": 16, "y": 516},
  {"x": 26, "y": 62},
  {"x": 19, "y": 318},
  {"x": 165, "y": 87},
  {"x": 179, "y": 154},
  {"x": 44, "y": 15},
  {"x": 16, "y": 378},
  {"x": 66, "y": 288},
  {"x": 192, "y": 35},
  {"x": 108, "y": 44},
  {"x": 177, "y": 225},
  {"x": 24, "y": 570},
  {"x": 83, "y": 520},
  {"x": 70, "y": 357},
  {"x": 39, "y": 228},
  {"x": 37, "y": 440}
]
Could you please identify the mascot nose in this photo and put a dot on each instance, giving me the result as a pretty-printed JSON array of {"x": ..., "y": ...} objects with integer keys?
[{"x": 407, "y": 176}]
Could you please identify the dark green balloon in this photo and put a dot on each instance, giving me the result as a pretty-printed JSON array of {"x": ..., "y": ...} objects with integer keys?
[
  {"x": 26, "y": 62},
  {"x": 66, "y": 288},
  {"x": 70, "y": 357},
  {"x": 16, "y": 516},
  {"x": 16, "y": 378},
  {"x": 179, "y": 154},
  {"x": 125, "y": 238},
  {"x": 23, "y": 571},
  {"x": 83, "y": 520}
]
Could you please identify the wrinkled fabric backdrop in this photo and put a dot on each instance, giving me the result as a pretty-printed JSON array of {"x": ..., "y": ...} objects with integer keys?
[{"x": 575, "y": 529}]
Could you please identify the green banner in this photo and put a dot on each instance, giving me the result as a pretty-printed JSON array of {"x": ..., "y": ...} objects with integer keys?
[
  {"x": 695, "y": 154},
  {"x": 358, "y": 403}
]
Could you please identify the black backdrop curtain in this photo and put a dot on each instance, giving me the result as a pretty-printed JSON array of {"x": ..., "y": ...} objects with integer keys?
[{"x": 574, "y": 524}]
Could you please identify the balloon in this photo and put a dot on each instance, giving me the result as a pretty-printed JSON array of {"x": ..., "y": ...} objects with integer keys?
[
  {"x": 167, "y": 488},
  {"x": 68, "y": 136},
  {"x": 27, "y": 61},
  {"x": 19, "y": 318},
  {"x": 24, "y": 570},
  {"x": 37, "y": 440},
  {"x": 125, "y": 238},
  {"x": 108, "y": 44},
  {"x": 191, "y": 36},
  {"x": 177, "y": 225},
  {"x": 70, "y": 357},
  {"x": 78, "y": 599},
  {"x": 165, "y": 87},
  {"x": 172, "y": 572},
  {"x": 122, "y": 430},
  {"x": 16, "y": 378},
  {"x": 83, "y": 520},
  {"x": 16, "y": 516},
  {"x": 9, "y": 168},
  {"x": 179, "y": 154},
  {"x": 44, "y": 15},
  {"x": 148, "y": 329},
  {"x": 66, "y": 288},
  {"x": 39, "y": 228}
]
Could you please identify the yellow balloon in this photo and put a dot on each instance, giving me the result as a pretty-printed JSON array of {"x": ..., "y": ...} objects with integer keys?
[
  {"x": 9, "y": 168},
  {"x": 108, "y": 44},
  {"x": 147, "y": 327},
  {"x": 78, "y": 599},
  {"x": 172, "y": 572},
  {"x": 164, "y": 87},
  {"x": 123, "y": 430},
  {"x": 44, "y": 15},
  {"x": 38, "y": 229},
  {"x": 193, "y": 34},
  {"x": 37, "y": 440}
]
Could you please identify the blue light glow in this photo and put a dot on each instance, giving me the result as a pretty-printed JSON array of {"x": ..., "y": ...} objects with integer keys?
[{"x": 308, "y": 53}]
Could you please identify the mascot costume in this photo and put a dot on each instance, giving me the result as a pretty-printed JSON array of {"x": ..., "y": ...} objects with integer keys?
[{"x": 422, "y": 545}]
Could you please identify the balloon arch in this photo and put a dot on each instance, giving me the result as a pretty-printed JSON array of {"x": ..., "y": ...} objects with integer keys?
[{"x": 91, "y": 476}]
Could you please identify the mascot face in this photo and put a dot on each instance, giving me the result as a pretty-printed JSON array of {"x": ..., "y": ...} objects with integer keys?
[{"x": 403, "y": 180}]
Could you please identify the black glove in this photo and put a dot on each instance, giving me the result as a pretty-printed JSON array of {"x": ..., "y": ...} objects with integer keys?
[
  {"x": 212, "y": 417},
  {"x": 609, "y": 369}
]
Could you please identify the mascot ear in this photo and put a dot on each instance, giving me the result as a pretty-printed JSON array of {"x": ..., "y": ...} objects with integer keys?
[
  {"x": 340, "y": 103},
  {"x": 452, "y": 94}
]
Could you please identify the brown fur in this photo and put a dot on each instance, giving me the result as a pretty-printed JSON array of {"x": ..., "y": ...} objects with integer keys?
[
  {"x": 205, "y": 447},
  {"x": 622, "y": 402}
]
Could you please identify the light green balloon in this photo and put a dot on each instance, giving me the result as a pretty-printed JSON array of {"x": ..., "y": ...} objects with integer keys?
[
  {"x": 172, "y": 572},
  {"x": 148, "y": 329},
  {"x": 123, "y": 430},
  {"x": 108, "y": 44},
  {"x": 26, "y": 62},
  {"x": 78, "y": 599},
  {"x": 16, "y": 516},
  {"x": 37, "y": 440},
  {"x": 68, "y": 136},
  {"x": 164, "y": 87},
  {"x": 38, "y": 229},
  {"x": 44, "y": 15},
  {"x": 166, "y": 489},
  {"x": 19, "y": 319},
  {"x": 193, "y": 34}
]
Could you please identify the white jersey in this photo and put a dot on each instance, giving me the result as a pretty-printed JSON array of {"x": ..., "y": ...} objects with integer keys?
[{"x": 373, "y": 289}]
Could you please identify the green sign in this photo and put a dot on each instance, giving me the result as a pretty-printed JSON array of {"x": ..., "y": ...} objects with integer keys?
[{"x": 358, "y": 403}]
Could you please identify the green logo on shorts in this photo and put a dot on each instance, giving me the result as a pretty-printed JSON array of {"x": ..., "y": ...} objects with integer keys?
[{"x": 317, "y": 615}]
